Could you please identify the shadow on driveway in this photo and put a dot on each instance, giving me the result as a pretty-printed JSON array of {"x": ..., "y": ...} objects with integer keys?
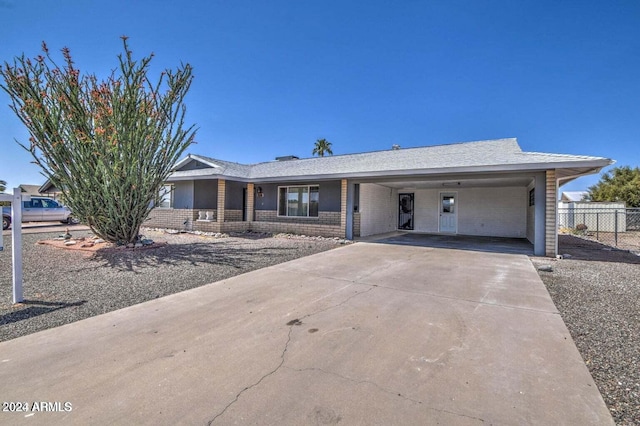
[
  {"x": 192, "y": 254},
  {"x": 462, "y": 242}
]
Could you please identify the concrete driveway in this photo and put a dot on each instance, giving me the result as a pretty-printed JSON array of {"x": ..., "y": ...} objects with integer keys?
[{"x": 363, "y": 334}]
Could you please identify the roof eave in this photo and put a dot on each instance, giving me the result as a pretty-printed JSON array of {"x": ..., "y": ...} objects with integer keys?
[{"x": 589, "y": 166}]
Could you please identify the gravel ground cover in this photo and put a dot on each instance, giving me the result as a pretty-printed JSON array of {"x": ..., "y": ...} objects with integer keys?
[
  {"x": 62, "y": 286},
  {"x": 597, "y": 291}
]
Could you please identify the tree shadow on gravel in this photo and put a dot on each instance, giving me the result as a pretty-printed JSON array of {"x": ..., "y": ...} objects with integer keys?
[
  {"x": 36, "y": 308},
  {"x": 581, "y": 249},
  {"x": 193, "y": 254}
]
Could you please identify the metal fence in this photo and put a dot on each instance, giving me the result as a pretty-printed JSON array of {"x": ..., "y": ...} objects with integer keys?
[{"x": 616, "y": 227}]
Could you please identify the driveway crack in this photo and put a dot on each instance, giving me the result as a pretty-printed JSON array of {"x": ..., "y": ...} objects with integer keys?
[
  {"x": 286, "y": 346},
  {"x": 383, "y": 389},
  {"x": 291, "y": 324}
]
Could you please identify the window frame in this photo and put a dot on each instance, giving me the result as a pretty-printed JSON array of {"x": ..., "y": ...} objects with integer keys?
[
  {"x": 309, "y": 202},
  {"x": 162, "y": 196}
]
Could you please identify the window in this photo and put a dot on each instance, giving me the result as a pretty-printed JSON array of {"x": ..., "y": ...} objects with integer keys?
[
  {"x": 532, "y": 197},
  {"x": 298, "y": 201},
  {"x": 166, "y": 197},
  {"x": 49, "y": 204},
  {"x": 356, "y": 198}
]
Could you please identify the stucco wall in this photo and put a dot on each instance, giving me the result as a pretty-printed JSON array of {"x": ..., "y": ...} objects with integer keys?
[{"x": 378, "y": 209}]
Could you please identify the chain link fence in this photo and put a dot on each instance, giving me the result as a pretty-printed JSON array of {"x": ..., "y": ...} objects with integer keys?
[{"x": 615, "y": 227}]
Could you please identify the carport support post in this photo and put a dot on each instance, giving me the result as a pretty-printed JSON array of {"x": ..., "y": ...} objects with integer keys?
[
  {"x": 539, "y": 192},
  {"x": 16, "y": 241},
  {"x": 349, "y": 219}
]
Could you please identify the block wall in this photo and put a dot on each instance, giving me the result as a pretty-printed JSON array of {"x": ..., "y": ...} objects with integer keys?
[
  {"x": 172, "y": 218},
  {"x": 378, "y": 209}
]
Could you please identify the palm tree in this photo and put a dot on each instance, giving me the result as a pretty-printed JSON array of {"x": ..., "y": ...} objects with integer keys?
[
  {"x": 3, "y": 185},
  {"x": 322, "y": 146}
]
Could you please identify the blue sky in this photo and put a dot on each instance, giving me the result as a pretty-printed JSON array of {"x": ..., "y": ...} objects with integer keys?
[{"x": 272, "y": 77}]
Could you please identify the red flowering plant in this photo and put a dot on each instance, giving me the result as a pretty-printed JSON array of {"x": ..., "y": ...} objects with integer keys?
[{"x": 108, "y": 145}]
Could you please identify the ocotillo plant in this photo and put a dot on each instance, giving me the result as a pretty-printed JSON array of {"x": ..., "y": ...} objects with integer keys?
[{"x": 107, "y": 144}]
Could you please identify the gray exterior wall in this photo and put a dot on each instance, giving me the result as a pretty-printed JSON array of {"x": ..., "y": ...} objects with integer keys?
[
  {"x": 193, "y": 165},
  {"x": 531, "y": 218},
  {"x": 183, "y": 195},
  {"x": 269, "y": 199},
  {"x": 206, "y": 194},
  {"x": 234, "y": 195}
]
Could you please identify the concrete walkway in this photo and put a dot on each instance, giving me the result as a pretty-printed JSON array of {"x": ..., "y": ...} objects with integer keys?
[{"x": 363, "y": 334}]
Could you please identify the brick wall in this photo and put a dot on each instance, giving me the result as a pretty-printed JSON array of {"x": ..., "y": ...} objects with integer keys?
[
  {"x": 232, "y": 215},
  {"x": 222, "y": 188},
  {"x": 343, "y": 203},
  {"x": 172, "y": 218},
  {"x": 250, "y": 201},
  {"x": 327, "y": 225},
  {"x": 324, "y": 218},
  {"x": 298, "y": 228},
  {"x": 550, "y": 219},
  {"x": 356, "y": 224}
]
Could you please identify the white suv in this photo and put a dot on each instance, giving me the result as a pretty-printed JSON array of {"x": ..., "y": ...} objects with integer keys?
[{"x": 40, "y": 209}]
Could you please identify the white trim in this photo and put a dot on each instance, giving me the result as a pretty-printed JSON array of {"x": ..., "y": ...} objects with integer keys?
[{"x": 191, "y": 157}]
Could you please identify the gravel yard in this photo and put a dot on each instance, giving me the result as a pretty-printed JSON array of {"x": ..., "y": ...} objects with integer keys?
[
  {"x": 597, "y": 291},
  {"x": 62, "y": 286}
]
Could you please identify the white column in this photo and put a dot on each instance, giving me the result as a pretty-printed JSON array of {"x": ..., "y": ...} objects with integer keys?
[{"x": 16, "y": 241}]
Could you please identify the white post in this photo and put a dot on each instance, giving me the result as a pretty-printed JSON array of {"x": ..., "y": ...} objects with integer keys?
[{"x": 16, "y": 241}]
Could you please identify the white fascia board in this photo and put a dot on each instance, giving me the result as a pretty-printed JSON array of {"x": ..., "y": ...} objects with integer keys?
[{"x": 193, "y": 175}]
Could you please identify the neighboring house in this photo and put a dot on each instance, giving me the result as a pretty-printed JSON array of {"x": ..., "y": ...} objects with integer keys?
[
  {"x": 574, "y": 196},
  {"x": 48, "y": 189},
  {"x": 29, "y": 189},
  {"x": 485, "y": 188}
]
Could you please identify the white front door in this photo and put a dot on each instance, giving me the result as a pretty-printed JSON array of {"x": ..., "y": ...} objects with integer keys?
[{"x": 448, "y": 213}]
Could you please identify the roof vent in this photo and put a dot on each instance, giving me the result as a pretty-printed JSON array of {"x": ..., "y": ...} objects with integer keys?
[
  {"x": 395, "y": 147},
  {"x": 287, "y": 158}
]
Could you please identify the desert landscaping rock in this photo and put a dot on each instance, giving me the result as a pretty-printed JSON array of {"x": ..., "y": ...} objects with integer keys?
[
  {"x": 598, "y": 295},
  {"x": 62, "y": 285}
]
